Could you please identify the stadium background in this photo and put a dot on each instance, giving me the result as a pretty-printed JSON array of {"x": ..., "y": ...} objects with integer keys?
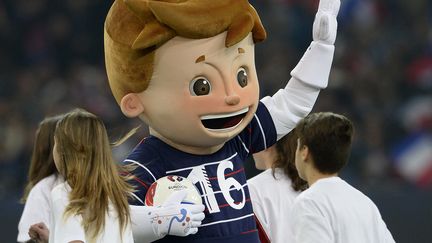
[{"x": 51, "y": 60}]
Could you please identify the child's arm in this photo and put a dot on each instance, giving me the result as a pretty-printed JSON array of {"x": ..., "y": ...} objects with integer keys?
[
  {"x": 172, "y": 218},
  {"x": 311, "y": 74},
  {"x": 36, "y": 209},
  {"x": 39, "y": 233}
]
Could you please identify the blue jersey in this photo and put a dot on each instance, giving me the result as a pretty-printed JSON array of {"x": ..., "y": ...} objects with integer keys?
[{"x": 219, "y": 177}]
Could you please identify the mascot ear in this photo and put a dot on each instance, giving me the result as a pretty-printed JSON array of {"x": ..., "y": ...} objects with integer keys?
[{"x": 131, "y": 105}]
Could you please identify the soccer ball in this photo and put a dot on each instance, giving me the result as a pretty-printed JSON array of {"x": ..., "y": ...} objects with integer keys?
[{"x": 161, "y": 189}]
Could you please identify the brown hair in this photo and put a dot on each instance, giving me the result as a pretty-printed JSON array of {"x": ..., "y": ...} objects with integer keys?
[
  {"x": 134, "y": 29},
  {"x": 285, "y": 159},
  {"x": 86, "y": 163},
  {"x": 42, "y": 163},
  {"x": 328, "y": 137}
]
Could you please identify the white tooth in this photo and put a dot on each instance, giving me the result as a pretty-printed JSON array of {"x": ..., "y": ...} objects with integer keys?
[{"x": 207, "y": 117}]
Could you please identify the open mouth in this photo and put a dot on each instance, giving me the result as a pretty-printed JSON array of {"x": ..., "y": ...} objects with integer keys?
[{"x": 224, "y": 121}]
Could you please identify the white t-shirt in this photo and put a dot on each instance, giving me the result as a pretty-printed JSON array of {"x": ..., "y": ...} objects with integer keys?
[
  {"x": 37, "y": 207},
  {"x": 331, "y": 210},
  {"x": 272, "y": 200},
  {"x": 70, "y": 228}
]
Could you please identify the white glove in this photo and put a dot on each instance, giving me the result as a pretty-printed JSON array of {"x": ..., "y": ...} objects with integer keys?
[
  {"x": 314, "y": 67},
  {"x": 175, "y": 218},
  {"x": 150, "y": 223},
  {"x": 325, "y": 23}
]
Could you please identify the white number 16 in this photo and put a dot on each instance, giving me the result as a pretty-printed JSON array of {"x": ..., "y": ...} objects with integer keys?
[
  {"x": 226, "y": 184},
  {"x": 199, "y": 175}
]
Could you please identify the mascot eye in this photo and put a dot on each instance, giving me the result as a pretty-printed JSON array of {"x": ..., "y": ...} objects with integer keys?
[
  {"x": 242, "y": 78},
  {"x": 200, "y": 86}
]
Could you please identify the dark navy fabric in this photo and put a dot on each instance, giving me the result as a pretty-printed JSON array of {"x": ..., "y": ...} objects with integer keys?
[{"x": 228, "y": 215}]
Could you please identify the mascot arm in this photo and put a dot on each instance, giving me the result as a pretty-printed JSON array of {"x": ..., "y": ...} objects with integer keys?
[
  {"x": 142, "y": 226},
  {"x": 311, "y": 74}
]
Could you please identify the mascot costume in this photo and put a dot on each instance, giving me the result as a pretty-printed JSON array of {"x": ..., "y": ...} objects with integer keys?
[{"x": 186, "y": 68}]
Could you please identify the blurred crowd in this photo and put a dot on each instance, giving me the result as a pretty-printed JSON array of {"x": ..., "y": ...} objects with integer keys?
[
  {"x": 51, "y": 60},
  {"x": 381, "y": 78}
]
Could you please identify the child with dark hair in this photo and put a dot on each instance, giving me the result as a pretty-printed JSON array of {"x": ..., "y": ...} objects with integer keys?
[
  {"x": 42, "y": 178},
  {"x": 331, "y": 210},
  {"x": 273, "y": 191}
]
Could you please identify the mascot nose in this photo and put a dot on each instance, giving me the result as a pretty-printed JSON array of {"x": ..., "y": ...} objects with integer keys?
[{"x": 232, "y": 99}]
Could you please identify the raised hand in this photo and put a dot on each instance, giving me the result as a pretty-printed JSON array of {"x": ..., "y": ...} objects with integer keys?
[{"x": 325, "y": 23}]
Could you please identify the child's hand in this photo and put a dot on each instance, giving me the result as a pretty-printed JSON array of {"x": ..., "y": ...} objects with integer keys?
[
  {"x": 325, "y": 24},
  {"x": 175, "y": 218},
  {"x": 39, "y": 233}
]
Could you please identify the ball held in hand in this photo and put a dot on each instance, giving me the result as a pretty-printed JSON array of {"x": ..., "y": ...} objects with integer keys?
[{"x": 162, "y": 188}]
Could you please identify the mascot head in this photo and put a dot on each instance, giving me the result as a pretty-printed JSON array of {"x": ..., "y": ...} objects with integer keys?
[{"x": 185, "y": 67}]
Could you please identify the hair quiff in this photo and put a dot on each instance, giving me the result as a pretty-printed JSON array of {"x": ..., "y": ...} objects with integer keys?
[{"x": 134, "y": 29}]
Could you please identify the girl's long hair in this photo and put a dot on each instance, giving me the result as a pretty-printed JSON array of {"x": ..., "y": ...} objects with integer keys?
[
  {"x": 42, "y": 163},
  {"x": 285, "y": 159},
  {"x": 86, "y": 162}
]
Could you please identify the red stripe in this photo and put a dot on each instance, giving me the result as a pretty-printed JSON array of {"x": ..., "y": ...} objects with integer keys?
[
  {"x": 248, "y": 232},
  {"x": 134, "y": 177},
  {"x": 229, "y": 174},
  {"x": 261, "y": 232},
  {"x": 140, "y": 142},
  {"x": 226, "y": 204},
  {"x": 141, "y": 182},
  {"x": 125, "y": 173},
  {"x": 150, "y": 194}
]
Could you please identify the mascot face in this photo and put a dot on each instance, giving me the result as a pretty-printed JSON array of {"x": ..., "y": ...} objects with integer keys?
[{"x": 201, "y": 93}]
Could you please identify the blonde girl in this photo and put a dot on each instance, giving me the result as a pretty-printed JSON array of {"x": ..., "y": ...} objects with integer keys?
[{"x": 91, "y": 206}]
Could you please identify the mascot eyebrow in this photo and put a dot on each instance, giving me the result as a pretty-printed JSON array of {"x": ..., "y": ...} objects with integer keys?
[
  {"x": 202, "y": 57},
  {"x": 135, "y": 29}
]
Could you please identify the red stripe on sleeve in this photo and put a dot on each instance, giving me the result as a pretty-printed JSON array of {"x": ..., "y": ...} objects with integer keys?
[{"x": 141, "y": 182}]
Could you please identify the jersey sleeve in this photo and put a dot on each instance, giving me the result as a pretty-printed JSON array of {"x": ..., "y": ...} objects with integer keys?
[
  {"x": 142, "y": 180},
  {"x": 308, "y": 224},
  {"x": 260, "y": 133},
  {"x": 147, "y": 170},
  {"x": 289, "y": 105}
]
